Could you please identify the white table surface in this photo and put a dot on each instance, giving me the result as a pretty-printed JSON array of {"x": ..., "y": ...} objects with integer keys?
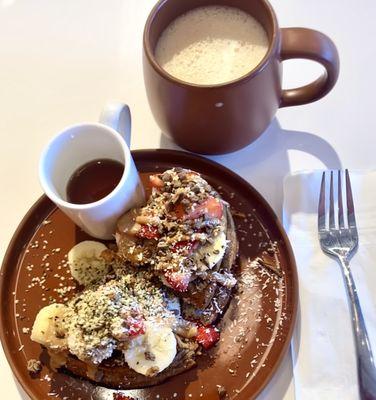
[{"x": 60, "y": 61}]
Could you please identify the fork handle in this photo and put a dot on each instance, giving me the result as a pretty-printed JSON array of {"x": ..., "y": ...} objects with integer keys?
[{"x": 365, "y": 362}]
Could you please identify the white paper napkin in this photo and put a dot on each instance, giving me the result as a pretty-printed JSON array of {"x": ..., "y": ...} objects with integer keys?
[{"x": 322, "y": 346}]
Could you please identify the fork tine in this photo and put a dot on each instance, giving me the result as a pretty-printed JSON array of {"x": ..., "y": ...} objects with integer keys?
[
  {"x": 341, "y": 221},
  {"x": 350, "y": 202},
  {"x": 332, "y": 224},
  {"x": 321, "y": 211}
]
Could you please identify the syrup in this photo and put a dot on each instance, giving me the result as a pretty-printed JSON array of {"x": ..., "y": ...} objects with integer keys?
[{"x": 94, "y": 181}]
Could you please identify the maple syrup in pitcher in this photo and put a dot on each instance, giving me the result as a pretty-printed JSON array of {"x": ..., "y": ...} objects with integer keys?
[{"x": 94, "y": 181}]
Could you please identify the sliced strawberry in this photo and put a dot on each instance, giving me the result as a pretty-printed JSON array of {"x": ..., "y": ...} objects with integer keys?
[
  {"x": 184, "y": 247},
  {"x": 156, "y": 181},
  {"x": 211, "y": 207},
  {"x": 136, "y": 326},
  {"x": 179, "y": 281},
  {"x": 214, "y": 208},
  {"x": 148, "y": 232},
  {"x": 121, "y": 396},
  {"x": 207, "y": 336}
]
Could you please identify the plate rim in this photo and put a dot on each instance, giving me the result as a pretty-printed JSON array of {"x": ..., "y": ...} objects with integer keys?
[{"x": 148, "y": 153}]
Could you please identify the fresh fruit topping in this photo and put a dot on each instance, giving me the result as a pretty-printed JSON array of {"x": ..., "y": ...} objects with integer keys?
[
  {"x": 208, "y": 255},
  {"x": 148, "y": 232},
  {"x": 179, "y": 281},
  {"x": 151, "y": 353},
  {"x": 214, "y": 208},
  {"x": 211, "y": 208},
  {"x": 127, "y": 221},
  {"x": 184, "y": 247},
  {"x": 86, "y": 262},
  {"x": 136, "y": 326},
  {"x": 121, "y": 396},
  {"x": 207, "y": 336},
  {"x": 48, "y": 328},
  {"x": 156, "y": 181}
]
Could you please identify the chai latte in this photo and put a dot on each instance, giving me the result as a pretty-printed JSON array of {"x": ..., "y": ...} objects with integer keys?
[{"x": 212, "y": 45}]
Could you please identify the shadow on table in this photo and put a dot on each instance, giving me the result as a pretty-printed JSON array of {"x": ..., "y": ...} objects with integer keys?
[{"x": 265, "y": 162}]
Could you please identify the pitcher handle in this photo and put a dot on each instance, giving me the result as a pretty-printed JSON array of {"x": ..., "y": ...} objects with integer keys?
[{"x": 117, "y": 116}]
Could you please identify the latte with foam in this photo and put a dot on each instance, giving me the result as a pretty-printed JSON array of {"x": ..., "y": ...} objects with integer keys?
[{"x": 212, "y": 45}]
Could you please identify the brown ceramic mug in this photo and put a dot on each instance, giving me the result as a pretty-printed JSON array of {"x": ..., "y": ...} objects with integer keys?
[{"x": 216, "y": 119}]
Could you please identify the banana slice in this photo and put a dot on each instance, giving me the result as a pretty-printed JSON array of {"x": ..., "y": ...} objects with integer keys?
[
  {"x": 210, "y": 254},
  {"x": 151, "y": 353},
  {"x": 85, "y": 262},
  {"x": 49, "y": 329}
]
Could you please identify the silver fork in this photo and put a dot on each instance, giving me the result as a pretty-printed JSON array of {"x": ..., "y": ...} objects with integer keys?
[{"x": 341, "y": 241}]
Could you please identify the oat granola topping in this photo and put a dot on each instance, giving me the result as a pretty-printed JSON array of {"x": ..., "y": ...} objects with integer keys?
[{"x": 182, "y": 213}]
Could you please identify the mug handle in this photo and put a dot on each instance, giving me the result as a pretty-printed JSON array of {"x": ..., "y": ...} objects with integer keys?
[
  {"x": 117, "y": 116},
  {"x": 311, "y": 45}
]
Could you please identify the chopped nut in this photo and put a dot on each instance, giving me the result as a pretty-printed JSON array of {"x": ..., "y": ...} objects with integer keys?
[{"x": 34, "y": 366}]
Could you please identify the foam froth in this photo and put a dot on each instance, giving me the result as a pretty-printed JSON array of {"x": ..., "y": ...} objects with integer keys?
[{"x": 212, "y": 45}]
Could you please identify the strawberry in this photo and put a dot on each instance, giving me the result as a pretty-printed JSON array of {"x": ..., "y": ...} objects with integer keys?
[
  {"x": 136, "y": 326},
  {"x": 148, "y": 232},
  {"x": 121, "y": 396},
  {"x": 156, "y": 181},
  {"x": 207, "y": 336},
  {"x": 214, "y": 208},
  {"x": 211, "y": 207},
  {"x": 184, "y": 247},
  {"x": 179, "y": 281}
]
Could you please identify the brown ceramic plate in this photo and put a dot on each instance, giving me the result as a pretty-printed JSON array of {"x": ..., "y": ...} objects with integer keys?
[{"x": 256, "y": 329}]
